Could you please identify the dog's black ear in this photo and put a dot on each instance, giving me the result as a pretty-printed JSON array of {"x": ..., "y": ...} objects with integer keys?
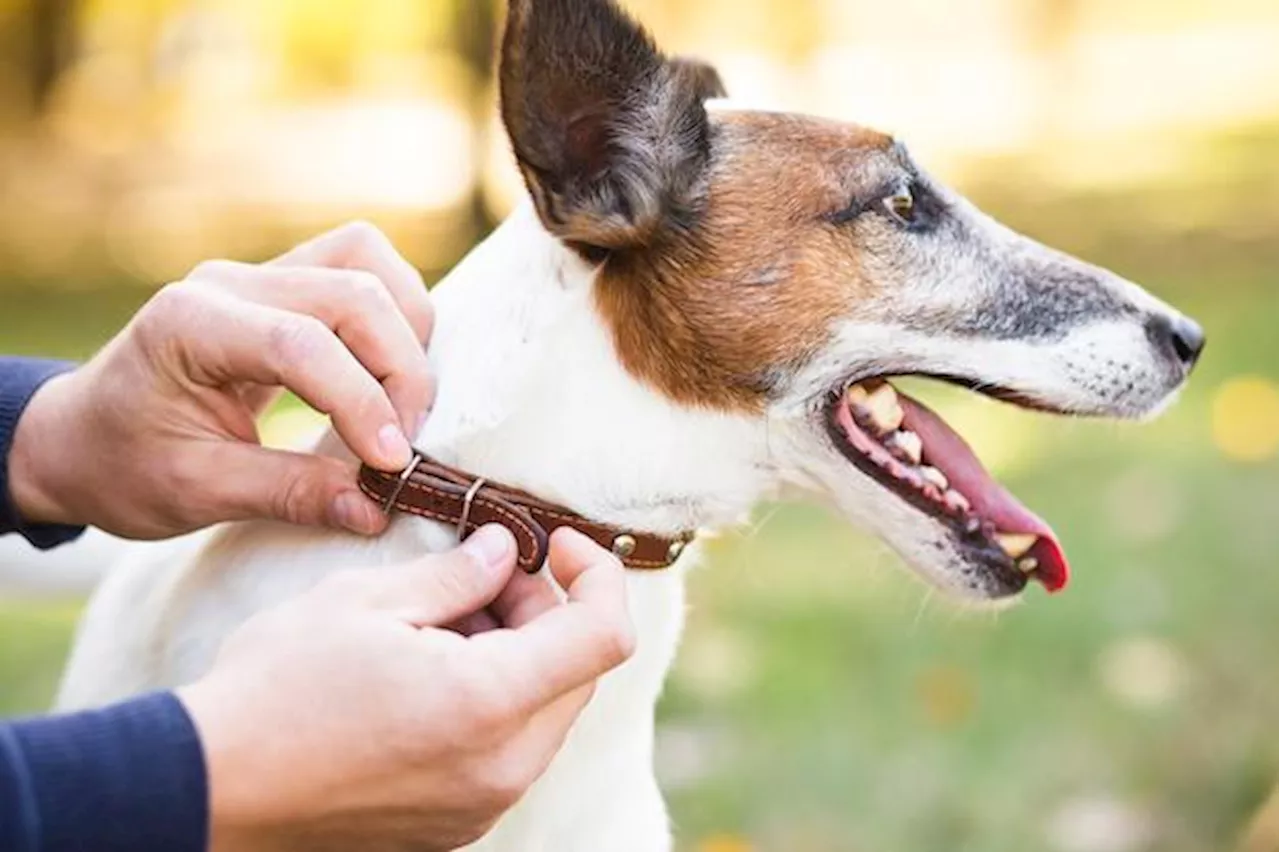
[
  {"x": 705, "y": 77},
  {"x": 611, "y": 136}
]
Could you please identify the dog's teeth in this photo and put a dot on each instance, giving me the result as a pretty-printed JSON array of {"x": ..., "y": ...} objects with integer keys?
[
  {"x": 856, "y": 395},
  {"x": 884, "y": 408},
  {"x": 972, "y": 524},
  {"x": 909, "y": 475},
  {"x": 908, "y": 444},
  {"x": 1016, "y": 544},
  {"x": 1026, "y": 566},
  {"x": 957, "y": 502},
  {"x": 932, "y": 474}
]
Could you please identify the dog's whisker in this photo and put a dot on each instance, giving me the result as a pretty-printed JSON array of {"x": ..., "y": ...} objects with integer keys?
[
  {"x": 925, "y": 599},
  {"x": 754, "y": 527}
]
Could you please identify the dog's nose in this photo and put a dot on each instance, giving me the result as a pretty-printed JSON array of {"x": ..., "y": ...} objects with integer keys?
[{"x": 1181, "y": 336}]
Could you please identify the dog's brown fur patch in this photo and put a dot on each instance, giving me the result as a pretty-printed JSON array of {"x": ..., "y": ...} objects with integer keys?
[{"x": 718, "y": 315}]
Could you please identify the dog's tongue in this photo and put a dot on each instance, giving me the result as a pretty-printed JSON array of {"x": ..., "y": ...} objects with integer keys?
[{"x": 948, "y": 452}]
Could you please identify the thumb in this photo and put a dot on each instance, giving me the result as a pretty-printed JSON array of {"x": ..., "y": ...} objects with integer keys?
[
  {"x": 444, "y": 587},
  {"x": 250, "y": 482}
]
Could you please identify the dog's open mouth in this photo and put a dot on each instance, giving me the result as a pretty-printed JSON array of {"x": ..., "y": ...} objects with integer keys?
[{"x": 911, "y": 451}]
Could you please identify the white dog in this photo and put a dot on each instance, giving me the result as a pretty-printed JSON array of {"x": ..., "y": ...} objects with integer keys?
[{"x": 695, "y": 311}]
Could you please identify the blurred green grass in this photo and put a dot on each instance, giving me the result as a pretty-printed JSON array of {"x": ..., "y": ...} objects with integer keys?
[
  {"x": 35, "y": 636},
  {"x": 825, "y": 701}
]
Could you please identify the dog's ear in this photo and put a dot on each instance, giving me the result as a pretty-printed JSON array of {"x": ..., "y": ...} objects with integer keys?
[
  {"x": 705, "y": 77},
  {"x": 611, "y": 136}
]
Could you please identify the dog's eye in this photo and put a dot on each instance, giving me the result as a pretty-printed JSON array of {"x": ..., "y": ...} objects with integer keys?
[{"x": 901, "y": 206}]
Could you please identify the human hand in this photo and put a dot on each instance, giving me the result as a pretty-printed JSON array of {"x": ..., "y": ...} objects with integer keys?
[
  {"x": 346, "y": 719},
  {"x": 156, "y": 434}
]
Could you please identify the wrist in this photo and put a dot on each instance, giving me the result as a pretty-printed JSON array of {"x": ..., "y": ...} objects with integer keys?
[
  {"x": 38, "y": 456},
  {"x": 235, "y": 798}
]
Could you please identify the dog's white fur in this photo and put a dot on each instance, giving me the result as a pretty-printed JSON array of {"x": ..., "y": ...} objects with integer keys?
[{"x": 531, "y": 393}]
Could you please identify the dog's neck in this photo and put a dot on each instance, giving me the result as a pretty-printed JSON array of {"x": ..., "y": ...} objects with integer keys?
[{"x": 531, "y": 393}]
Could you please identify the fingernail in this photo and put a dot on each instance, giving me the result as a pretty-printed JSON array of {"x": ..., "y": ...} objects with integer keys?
[
  {"x": 490, "y": 544},
  {"x": 352, "y": 511},
  {"x": 394, "y": 446}
]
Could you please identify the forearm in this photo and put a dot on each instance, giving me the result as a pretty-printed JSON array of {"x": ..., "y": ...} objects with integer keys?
[
  {"x": 20, "y": 379},
  {"x": 129, "y": 777}
]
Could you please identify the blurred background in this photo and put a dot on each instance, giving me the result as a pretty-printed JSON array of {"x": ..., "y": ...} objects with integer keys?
[{"x": 823, "y": 699}]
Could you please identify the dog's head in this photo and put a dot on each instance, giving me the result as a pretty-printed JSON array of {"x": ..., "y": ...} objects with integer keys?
[{"x": 781, "y": 267}]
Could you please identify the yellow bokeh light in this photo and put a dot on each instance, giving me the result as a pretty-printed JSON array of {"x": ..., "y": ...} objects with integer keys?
[
  {"x": 724, "y": 843},
  {"x": 1246, "y": 418}
]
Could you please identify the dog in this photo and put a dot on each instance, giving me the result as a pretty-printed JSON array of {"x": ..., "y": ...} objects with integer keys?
[{"x": 697, "y": 308}]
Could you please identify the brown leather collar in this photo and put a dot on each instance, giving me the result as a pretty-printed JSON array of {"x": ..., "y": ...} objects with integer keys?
[{"x": 433, "y": 490}]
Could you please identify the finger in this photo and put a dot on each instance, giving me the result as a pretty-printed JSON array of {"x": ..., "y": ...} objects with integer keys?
[
  {"x": 540, "y": 737},
  {"x": 297, "y": 488},
  {"x": 269, "y": 346},
  {"x": 355, "y": 305},
  {"x": 444, "y": 588},
  {"x": 477, "y": 622},
  {"x": 525, "y": 597},
  {"x": 547, "y": 728},
  {"x": 258, "y": 398},
  {"x": 570, "y": 645},
  {"x": 359, "y": 245}
]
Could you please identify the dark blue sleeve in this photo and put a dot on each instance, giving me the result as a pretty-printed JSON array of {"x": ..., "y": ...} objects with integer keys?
[
  {"x": 128, "y": 778},
  {"x": 20, "y": 378}
]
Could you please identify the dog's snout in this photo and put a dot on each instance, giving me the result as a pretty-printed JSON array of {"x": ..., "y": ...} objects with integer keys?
[
  {"x": 1179, "y": 336},
  {"x": 1188, "y": 340}
]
